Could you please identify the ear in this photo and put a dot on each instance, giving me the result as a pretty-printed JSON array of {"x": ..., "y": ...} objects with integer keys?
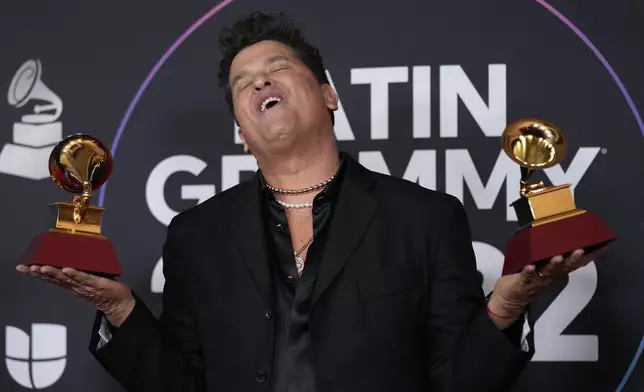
[
  {"x": 330, "y": 97},
  {"x": 241, "y": 137}
]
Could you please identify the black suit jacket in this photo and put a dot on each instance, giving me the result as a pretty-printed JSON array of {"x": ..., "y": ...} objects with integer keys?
[{"x": 397, "y": 306}]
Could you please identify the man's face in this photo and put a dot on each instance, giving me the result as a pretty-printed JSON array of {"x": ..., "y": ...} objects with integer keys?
[{"x": 276, "y": 97}]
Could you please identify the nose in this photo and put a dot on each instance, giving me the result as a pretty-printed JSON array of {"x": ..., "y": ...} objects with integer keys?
[{"x": 261, "y": 83}]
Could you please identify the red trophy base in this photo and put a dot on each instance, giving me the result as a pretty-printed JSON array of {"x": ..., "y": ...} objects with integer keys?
[
  {"x": 540, "y": 243},
  {"x": 91, "y": 254}
]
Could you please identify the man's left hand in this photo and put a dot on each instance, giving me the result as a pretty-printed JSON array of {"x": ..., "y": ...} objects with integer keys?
[{"x": 513, "y": 293}]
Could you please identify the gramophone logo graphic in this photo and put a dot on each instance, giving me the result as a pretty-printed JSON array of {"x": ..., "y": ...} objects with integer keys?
[{"x": 36, "y": 134}]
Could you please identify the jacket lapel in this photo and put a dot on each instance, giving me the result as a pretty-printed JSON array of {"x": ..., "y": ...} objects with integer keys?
[
  {"x": 353, "y": 212},
  {"x": 247, "y": 223}
]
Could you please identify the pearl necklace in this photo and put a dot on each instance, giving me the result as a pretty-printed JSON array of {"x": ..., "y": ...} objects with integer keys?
[
  {"x": 294, "y": 205},
  {"x": 299, "y": 260}
]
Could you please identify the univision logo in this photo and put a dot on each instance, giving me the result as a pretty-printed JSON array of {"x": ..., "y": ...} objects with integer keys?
[{"x": 38, "y": 361}]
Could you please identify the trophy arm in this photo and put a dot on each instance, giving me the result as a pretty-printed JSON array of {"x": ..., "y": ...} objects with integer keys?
[
  {"x": 81, "y": 202},
  {"x": 528, "y": 189}
]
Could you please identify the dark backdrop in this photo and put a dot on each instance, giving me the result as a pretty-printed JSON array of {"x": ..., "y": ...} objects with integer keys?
[{"x": 426, "y": 89}]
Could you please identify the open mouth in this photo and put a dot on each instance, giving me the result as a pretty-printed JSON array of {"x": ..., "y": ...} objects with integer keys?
[{"x": 269, "y": 103}]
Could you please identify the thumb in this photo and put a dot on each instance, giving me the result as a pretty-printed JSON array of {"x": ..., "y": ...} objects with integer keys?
[{"x": 528, "y": 275}]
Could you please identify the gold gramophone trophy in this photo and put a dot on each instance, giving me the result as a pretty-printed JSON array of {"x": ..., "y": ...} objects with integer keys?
[
  {"x": 550, "y": 223},
  {"x": 79, "y": 164}
]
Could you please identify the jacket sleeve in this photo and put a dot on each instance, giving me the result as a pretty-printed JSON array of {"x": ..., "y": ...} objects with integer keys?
[
  {"x": 146, "y": 354},
  {"x": 467, "y": 351}
]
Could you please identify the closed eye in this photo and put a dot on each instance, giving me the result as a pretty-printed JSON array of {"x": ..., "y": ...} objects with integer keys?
[
  {"x": 278, "y": 67},
  {"x": 241, "y": 87}
]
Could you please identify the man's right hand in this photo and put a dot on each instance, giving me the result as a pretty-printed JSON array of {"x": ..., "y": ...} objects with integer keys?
[{"x": 111, "y": 297}]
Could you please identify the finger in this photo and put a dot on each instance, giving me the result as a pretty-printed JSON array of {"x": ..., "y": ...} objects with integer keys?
[
  {"x": 52, "y": 272},
  {"x": 531, "y": 281},
  {"x": 72, "y": 277},
  {"x": 37, "y": 274},
  {"x": 58, "y": 275},
  {"x": 33, "y": 270},
  {"x": 587, "y": 259},
  {"x": 27, "y": 269},
  {"x": 55, "y": 276},
  {"x": 571, "y": 261},
  {"x": 554, "y": 268},
  {"x": 528, "y": 274},
  {"x": 22, "y": 268},
  {"x": 82, "y": 277}
]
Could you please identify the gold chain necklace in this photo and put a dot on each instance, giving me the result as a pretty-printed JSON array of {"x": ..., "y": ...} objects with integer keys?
[
  {"x": 304, "y": 190},
  {"x": 299, "y": 260}
]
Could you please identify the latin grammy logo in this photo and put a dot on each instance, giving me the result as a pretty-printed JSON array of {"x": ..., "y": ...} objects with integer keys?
[{"x": 36, "y": 134}]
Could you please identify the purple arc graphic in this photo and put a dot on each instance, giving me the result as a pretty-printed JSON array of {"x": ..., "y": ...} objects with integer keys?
[
  {"x": 155, "y": 70},
  {"x": 640, "y": 124},
  {"x": 223, "y": 4},
  {"x": 601, "y": 58}
]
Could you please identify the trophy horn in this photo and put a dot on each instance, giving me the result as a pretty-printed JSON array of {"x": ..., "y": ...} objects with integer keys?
[{"x": 535, "y": 145}]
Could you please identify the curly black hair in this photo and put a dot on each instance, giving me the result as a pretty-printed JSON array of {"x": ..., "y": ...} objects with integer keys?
[{"x": 258, "y": 27}]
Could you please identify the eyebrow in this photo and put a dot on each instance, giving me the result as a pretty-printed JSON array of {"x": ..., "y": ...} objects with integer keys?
[{"x": 273, "y": 59}]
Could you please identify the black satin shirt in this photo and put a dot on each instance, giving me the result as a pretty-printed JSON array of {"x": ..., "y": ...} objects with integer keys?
[{"x": 292, "y": 368}]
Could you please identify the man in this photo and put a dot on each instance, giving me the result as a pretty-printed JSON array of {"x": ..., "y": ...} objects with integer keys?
[{"x": 317, "y": 274}]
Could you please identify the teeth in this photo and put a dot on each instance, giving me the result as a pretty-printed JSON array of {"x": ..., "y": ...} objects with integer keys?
[{"x": 269, "y": 100}]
